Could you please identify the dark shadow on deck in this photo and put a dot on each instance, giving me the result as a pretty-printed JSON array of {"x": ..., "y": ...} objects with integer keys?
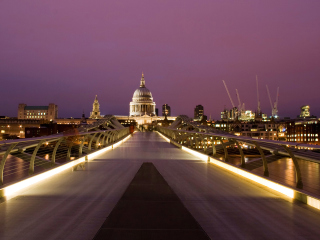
[{"x": 149, "y": 209}]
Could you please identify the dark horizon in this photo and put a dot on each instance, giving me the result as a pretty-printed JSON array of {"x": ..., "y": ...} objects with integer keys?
[{"x": 66, "y": 53}]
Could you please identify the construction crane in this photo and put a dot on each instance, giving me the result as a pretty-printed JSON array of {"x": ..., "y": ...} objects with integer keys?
[
  {"x": 228, "y": 93},
  {"x": 259, "y": 108},
  {"x": 240, "y": 106},
  {"x": 274, "y": 106}
]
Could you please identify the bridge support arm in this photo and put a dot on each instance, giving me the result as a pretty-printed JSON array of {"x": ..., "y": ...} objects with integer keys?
[
  {"x": 53, "y": 160},
  {"x": 299, "y": 183},
  {"x": 69, "y": 152},
  {"x": 33, "y": 157},
  {"x": 226, "y": 155},
  {"x": 214, "y": 149},
  {"x": 90, "y": 143},
  {"x": 3, "y": 160},
  {"x": 81, "y": 147},
  {"x": 264, "y": 160},
  {"x": 243, "y": 162},
  {"x": 98, "y": 141}
]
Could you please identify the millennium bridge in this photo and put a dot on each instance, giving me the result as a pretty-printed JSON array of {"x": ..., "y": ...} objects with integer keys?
[{"x": 185, "y": 181}]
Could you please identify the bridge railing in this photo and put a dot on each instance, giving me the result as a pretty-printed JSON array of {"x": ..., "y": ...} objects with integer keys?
[
  {"x": 23, "y": 157},
  {"x": 224, "y": 145}
]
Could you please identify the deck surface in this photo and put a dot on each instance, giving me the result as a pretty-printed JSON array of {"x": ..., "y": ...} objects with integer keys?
[{"x": 74, "y": 205}]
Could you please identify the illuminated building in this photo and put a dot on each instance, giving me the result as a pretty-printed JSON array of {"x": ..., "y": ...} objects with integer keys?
[
  {"x": 166, "y": 110},
  {"x": 304, "y": 131},
  {"x": 95, "y": 114},
  {"x": 49, "y": 112},
  {"x": 14, "y": 128},
  {"x": 305, "y": 111},
  {"x": 259, "y": 130},
  {"x": 142, "y": 101}
]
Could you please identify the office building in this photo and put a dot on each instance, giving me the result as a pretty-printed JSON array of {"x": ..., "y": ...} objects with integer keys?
[{"x": 198, "y": 112}]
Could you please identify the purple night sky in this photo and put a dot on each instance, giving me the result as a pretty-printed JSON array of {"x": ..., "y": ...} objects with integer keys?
[{"x": 67, "y": 51}]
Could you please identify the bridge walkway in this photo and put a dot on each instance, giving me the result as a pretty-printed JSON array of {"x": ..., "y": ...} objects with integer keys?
[{"x": 74, "y": 205}]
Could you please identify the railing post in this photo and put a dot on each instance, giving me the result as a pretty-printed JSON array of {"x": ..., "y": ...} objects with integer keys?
[
  {"x": 296, "y": 165},
  {"x": 264, "y": 160},
  {"x": 3, "y": 160},
  {"x": 33, "y": 157}
]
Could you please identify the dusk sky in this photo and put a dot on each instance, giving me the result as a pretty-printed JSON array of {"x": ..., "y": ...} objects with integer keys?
[{"x": 66, "y": 51}]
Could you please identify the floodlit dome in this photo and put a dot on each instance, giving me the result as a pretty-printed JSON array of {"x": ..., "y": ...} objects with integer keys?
[
  {"x": 142, "y": 101},
  {"x": 142, "y": 92}
]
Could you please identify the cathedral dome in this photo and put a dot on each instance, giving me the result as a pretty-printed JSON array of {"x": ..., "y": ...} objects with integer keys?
[
  {"x": 142, "y": 92},
  {"x": 142, "y": 101}
]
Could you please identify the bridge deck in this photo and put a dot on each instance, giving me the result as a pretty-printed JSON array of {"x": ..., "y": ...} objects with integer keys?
[{"x": 74, "y": 205}]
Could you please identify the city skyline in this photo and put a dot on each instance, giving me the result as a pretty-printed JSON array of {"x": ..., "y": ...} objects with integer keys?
[{"x": 66, "y": 54}]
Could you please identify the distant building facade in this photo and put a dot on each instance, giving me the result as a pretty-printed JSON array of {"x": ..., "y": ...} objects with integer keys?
[
  {"x": 259, "y": 130},
  {"x": 12, "y": 128},
  {"x": 304, "y": 131},
  {"x": 95, "y": 114},
  {"x": 142, "y": 102},
  {"x": 48, "y": 113},
  {"x": 198, "y": 112},
  {"x": 166, "y": 110}
]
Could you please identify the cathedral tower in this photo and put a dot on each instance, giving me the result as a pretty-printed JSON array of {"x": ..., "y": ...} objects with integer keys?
[{"x": 95, "y": 114}]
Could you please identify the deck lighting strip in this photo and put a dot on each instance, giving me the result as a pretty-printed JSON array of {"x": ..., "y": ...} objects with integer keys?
[
  {"x": 16, "y": 188},
  {"x": 265, "y": 182}
]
